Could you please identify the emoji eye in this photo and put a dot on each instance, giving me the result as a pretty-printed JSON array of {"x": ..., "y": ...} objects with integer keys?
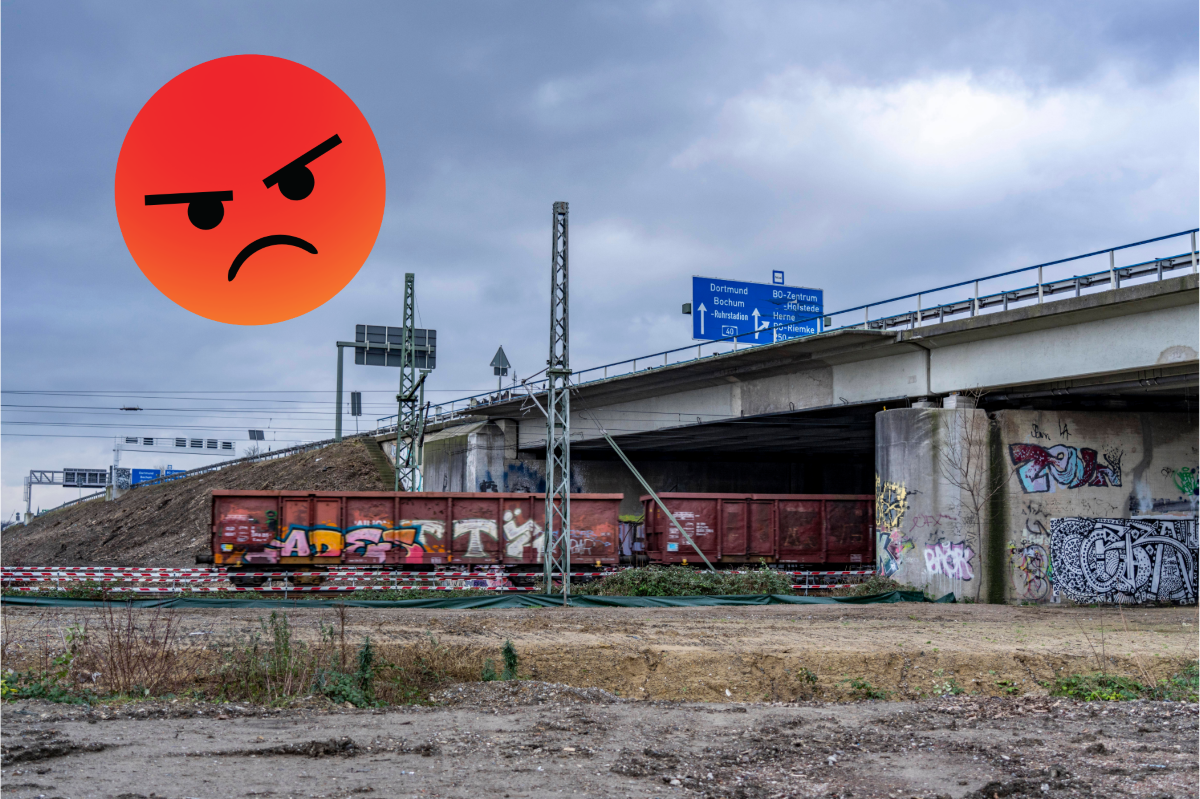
[
  {"x": 205, "y": 209},
  {"x": 296, "y": 182},
  {"x": 206, "y": 213}
]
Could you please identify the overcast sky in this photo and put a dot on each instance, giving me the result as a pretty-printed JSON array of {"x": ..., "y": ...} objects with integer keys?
[{"x": 869, "y": 149}]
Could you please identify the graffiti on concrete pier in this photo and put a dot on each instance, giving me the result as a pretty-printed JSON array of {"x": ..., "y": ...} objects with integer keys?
[
  {"x": 1041, "y": 469},
  {"x": 1125, "y": 560},
  {"x": 950, "y": 560}
]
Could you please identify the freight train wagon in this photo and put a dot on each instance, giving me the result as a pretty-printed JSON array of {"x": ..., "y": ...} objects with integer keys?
[
  {"x": 263, "y": 530},
  {"x": 745, "y": 529}
]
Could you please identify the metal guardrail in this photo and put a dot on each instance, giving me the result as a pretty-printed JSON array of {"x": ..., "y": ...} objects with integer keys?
[
  {"x": 262, "y": 456},
  {"x": 88, "y": 498},
  {"x": 971, "y": 306}
]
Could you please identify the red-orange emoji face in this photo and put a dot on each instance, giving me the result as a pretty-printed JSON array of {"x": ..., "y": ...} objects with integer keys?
[{"x": 250, "y": 189}]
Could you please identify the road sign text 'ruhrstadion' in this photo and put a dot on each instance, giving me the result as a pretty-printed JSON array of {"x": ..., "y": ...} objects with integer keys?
[{"x": 757, "y": 313}]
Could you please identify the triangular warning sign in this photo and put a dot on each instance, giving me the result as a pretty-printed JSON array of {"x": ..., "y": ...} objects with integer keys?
[{"x": 500, "y": 361}]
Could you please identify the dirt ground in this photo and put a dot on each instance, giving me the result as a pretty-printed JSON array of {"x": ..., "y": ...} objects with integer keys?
[
  {"x": 534, "y": 739},
  {"x": 751, "y": 654},
  {"x": 168, "y": 525}
]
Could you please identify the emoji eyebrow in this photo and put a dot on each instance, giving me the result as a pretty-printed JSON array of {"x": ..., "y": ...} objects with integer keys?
[
  {"x": 187, "y": 197},
  {"x": 310, "y": 156}
]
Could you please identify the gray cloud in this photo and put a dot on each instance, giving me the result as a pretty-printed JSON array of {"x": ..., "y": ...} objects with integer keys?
[{"x": 869, "y": 149}]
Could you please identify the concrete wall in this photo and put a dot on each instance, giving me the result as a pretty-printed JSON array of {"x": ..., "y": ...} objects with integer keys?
[{"x": 964, "y": 503}]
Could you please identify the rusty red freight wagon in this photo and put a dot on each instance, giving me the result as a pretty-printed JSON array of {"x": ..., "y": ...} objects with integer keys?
[
  {"x": 256, "y": 529},
  {"x": 738, "y": 529}
]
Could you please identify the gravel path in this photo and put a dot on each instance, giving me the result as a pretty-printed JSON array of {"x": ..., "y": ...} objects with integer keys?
[{"x": 536, "y": 739}]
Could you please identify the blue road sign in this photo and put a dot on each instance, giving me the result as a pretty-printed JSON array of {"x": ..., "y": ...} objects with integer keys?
[
  {"x": 146, "y": 475},
  {"x": 143, "y": 475},
  {"x": 757, "y": 313}
]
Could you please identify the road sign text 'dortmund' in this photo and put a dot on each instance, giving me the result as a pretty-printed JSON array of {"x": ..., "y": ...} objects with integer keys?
[{"x": 757, "y": 313}]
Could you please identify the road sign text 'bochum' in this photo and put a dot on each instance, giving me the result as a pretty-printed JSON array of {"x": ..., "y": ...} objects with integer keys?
[{"x": 757, "y": 313}]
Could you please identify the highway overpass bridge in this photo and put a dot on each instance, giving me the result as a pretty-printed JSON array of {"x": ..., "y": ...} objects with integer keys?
[
  {"x": 973, "y": 434},
  {"x": 810, "y": 404}
]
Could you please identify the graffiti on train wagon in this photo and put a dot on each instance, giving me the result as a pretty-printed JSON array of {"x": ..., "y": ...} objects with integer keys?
[
  {"x": 520, "y": 534},
  {"x": 370, "y": 541},
  {"x": 1125, "y": 560},
  {"x": 374, "y": 542},
  {"x": 1040, "y": 468},
  {"x": 475, "y": 530},
  {"x": 584, "y": 544},
  {"x": 950, "y": 560}
]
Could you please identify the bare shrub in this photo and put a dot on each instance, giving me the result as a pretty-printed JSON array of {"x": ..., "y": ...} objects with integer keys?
[{"x": 136, "y": 652}]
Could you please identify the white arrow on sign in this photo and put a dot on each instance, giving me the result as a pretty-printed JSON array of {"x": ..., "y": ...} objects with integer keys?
[
  {"x": 701, "y": 309},
  {"x": 756, "y": 327}
]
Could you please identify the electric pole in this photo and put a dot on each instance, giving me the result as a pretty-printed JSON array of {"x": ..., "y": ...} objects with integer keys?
[
  {"x": 410, "y": 416},
  {"x": 557, "y": 541}
]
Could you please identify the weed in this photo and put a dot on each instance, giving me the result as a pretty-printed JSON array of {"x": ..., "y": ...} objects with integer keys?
[
  {"x": 1183, "y": 686},
  {"x": 358, "y": 688},
  {"x": 1098, "y": 686},
  {"x": 1093, "y": 687},
  {"x": 861, "y": 689},
  {"x": 946, "y": 686},
  {"x": 685, "y": 581},
  {"x": 1007, "y": 686},
  {"x": 807, "y": 682},
  {"x": 875, "y": 584},
  {"x": 489, "y": 671},
  {"x": 509, "y": 653}
]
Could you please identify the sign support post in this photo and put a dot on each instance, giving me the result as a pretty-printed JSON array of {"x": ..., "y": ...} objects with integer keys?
[{"x": 337, "y": 427}]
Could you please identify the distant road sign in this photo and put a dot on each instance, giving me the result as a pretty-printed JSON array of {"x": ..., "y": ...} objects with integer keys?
[
  {"x": 143, "y": 475},
  {"x": 85, "y": 478},
  {"x": 387, "y": 340},
  {"x": 146, "y": 475},
  {"x": 500, "y": 363},
  {"x": 757, "y": 313}
]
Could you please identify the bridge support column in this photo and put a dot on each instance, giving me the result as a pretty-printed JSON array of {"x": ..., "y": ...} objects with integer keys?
[{"x": 965, "y": 498}]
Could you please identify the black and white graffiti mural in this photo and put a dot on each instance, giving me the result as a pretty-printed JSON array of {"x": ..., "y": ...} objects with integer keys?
[{"x": 1124, "y": 560}]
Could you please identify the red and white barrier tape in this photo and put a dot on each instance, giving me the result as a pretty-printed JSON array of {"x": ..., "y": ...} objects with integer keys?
[
  {"x": 285, "y": 589},
  {"x": 142, "y": 574}
]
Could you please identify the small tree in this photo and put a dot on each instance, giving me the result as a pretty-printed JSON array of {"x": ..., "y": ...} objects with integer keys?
[{"x": 963, "y": 462}]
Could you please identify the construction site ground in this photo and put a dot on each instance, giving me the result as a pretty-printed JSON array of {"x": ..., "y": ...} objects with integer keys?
[
  {"x": 752, "y": 654},
  {"x": 665, "y": 702},
  {"x": 536, "y": 739}
]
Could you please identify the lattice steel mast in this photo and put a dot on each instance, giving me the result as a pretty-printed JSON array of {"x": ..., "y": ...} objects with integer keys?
[
  {"x": 410, "y": 413},
  {"x": 557, "y": 544}
]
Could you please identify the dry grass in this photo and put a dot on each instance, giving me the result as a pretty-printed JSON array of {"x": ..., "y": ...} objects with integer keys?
[{"x": 124, "y": 652}]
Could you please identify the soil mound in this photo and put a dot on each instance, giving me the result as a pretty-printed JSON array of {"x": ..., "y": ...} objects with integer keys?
[{"x": 168, "y": 525}]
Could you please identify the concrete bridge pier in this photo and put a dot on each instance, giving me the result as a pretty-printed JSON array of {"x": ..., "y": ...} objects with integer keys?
[{"x": 965, "y": 498}]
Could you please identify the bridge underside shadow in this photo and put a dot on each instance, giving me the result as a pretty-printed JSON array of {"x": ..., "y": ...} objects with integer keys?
[{"x": 828, "y": 451}]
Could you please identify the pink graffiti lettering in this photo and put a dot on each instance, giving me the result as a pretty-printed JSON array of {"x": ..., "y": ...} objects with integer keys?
[
  {"x": 950, "y": 560},
  {"x": 918, "y": 521}
]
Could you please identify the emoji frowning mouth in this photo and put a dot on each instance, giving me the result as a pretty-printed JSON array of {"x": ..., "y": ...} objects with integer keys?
[{"x": 267, "y": 241}]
